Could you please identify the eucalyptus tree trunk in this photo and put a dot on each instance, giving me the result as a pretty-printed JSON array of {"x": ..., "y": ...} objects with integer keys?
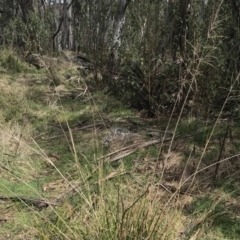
[
  {"x": 65, "y": 25},
  {"x": 26, "y": 6},
  {"x": 167, "y": 29},
  {"x": 70, "y": 27},
  {"x": 39, "y": 7},
  {"x": 181, "y": 29},
  {"x": 65, "y": 42},
  {"x": 57, "y": 22},
  {"x": 118, "y": 30},
  {"x": 63, "y": 36}
]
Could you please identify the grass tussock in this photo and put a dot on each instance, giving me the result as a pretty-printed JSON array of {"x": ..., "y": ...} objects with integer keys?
[
  {"x": 12, "y": 63},
  {"x": 59, "y": 181}
]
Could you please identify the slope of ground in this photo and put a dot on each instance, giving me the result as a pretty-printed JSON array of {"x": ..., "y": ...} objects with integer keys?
[{"x": 164, "y": 179}]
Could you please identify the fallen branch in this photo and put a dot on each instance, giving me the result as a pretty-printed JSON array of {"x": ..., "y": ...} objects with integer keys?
[
  {"x": 39, "y": 203},
  {"x": 133, "y": 148}
]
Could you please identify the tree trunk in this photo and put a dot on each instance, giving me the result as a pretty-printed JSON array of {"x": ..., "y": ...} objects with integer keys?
[
  {"x": 26, "y": 6},
  {"x": 118, "y": 30},
  {"x": 67, "y": 41},
  {"x": 181, "y": 29},
  {"x": 70, "y": 28}
]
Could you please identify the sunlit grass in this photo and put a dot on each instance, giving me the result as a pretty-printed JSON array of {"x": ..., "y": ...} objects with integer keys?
[{"x": 51, "y": 149}]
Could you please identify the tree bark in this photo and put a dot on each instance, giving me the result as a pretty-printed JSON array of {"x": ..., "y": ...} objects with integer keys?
[
  {"x": 26, "y": 6},
  {"x": 118, "y": 30},
  {"x": 181, "y": 29}
]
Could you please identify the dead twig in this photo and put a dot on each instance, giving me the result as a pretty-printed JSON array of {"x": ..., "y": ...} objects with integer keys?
[{"x": 39, "y": 203}]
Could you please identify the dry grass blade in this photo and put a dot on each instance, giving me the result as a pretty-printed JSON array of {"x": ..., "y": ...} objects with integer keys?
[{"x": 112, "y": 175}]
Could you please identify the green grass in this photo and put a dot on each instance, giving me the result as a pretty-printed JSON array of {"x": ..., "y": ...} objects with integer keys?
[
  {"x": 52, "y": 142},
  {"x": 12, "y": 63},
  {"x": 220, "y": 220}
]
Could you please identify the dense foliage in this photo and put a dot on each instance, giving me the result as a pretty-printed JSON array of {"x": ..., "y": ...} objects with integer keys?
[{"x": 164, "y": 55}]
